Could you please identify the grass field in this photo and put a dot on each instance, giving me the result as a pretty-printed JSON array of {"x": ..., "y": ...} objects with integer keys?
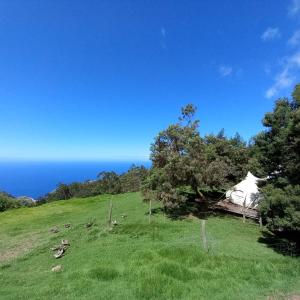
[{"x": 136, "y": 260}]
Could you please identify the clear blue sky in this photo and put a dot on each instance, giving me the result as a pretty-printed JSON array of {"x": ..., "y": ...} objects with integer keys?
[{"x": 99, "y": 79}]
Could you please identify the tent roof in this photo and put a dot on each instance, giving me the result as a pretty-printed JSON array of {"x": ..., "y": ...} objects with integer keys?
[{"x": 245, "y": 192}]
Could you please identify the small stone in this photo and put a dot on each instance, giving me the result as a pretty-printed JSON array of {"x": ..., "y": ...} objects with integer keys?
[
  {"x": 54, "y": 229},
  {"x": 65, "y": 242},
  {"x": 57, "y": 268},
  {"x": 59, "y": 253},
  {"x": 55, "y": 248},
  {"x": 67, "y": 225}
]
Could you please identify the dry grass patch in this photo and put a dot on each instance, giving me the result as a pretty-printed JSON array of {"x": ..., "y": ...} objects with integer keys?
[{"x": 18, "y": 248}]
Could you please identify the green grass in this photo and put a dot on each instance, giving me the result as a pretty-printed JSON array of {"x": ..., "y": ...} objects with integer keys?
[{"x": 163, "y": 260}]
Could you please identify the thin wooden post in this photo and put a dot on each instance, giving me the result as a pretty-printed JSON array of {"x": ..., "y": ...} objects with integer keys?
[
  {"x": 260, "y": 222},
  {"x": 203, "y": 235},
  {"x": 110, "y": 213},
  {"x": 244, "y": 210},
  {"x": 150, "y": 210}
]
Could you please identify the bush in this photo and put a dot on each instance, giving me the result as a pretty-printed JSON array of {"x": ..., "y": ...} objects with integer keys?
[
  {"x": 106, "y": 183},
  {"x": 277, "y": 149},
  {"x": 280, "y": 208},
  {"x": 7, "y": 202}
]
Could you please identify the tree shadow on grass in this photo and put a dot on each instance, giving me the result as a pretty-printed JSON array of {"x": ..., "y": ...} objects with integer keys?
[
  {"x": 155, "y": 211},
  {"x": 173, "y": 214},
  {"x": 285, "y": 244},
  {"x": 191, "y": 208},
  {"x": 199, "y": 208}
]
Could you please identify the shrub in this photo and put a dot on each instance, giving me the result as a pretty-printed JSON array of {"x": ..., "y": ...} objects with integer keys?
[
  {"x": 280, "y": 208},
  {"x": 7, "y": 202}
]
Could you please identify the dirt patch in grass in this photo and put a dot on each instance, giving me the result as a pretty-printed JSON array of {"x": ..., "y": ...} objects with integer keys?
[{"x": 19, "y": 249}]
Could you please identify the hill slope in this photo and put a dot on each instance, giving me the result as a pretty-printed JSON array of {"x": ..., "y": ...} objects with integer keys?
[{"x": 163, "y": 260}]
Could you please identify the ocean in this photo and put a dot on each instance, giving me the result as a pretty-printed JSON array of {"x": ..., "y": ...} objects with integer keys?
[{"x": 34, "y": 179}]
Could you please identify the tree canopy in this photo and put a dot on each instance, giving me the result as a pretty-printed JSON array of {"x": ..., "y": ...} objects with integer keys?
[
  {"x": 186, "y": 166},
  {"x": 277, "y": 150}
]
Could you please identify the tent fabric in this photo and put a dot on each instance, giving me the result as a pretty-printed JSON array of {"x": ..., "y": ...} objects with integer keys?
[{"x": 246, "y": 192}]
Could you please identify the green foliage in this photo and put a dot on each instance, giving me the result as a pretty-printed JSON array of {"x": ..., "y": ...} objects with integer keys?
[
  {"x": 227, "y": 160},
  {"x": 281, "y": 208},
  {"x": 26, "y": 201},
  {"x": 132, "y": 180},
  {"x": 277, "y": 150},
  {"x": 109, "y": 182},
  {"x": 7, "y": 201},
  {"x": 296, "y": 95},
  {"x": 176, "y": 156},
  {"x": 106, "y": 183},
  {"x": 186, "y": 166},
  {"x": 270, "y": 145}
]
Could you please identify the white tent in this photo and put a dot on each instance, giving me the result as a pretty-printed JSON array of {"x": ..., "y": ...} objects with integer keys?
[{"x": 246, "y": 192}]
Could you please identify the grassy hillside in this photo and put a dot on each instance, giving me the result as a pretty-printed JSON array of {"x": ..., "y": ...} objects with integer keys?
[{"x": 163, "y": 260}]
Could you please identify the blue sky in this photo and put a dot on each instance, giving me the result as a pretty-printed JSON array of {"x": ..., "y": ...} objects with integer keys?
[{"x": 85, "y": 80}]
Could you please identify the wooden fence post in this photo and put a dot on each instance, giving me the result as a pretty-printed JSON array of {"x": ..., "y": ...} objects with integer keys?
[
  {"x": 110, "y": 213},
  {"x": 150, "y": 210},
  {"x": 203, "y": 235},
  {"x": 244, "y": 210}
]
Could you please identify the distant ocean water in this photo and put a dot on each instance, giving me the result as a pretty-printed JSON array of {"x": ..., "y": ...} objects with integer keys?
[{"x": 35, "y": 179}]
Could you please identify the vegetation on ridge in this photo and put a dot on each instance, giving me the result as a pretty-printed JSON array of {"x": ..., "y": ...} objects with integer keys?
[
  {"x": 106, "y": 183},
  {"x": 7, "y": 201}
]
